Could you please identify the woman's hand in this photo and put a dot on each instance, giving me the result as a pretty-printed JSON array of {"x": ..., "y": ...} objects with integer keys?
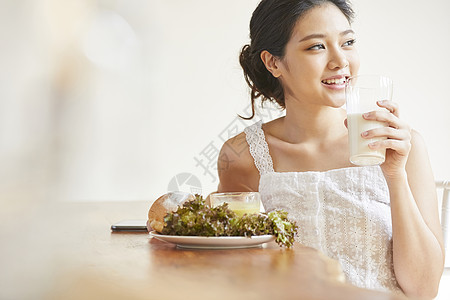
[{"x": 398, "y": 138}]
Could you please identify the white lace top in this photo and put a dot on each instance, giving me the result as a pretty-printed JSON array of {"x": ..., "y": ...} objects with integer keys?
[{"x": 345, "y": 213}]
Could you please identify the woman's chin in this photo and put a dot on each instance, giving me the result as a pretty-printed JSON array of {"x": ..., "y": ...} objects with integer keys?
[{"x": 337, "y": 103}]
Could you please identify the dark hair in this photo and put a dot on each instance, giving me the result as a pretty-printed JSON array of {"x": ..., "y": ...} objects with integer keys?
[{"x": 271, "y": 27}]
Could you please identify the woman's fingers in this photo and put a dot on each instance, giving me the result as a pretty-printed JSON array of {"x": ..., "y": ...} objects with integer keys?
[
  {"x": 392, "y": 107},
  {"x": 396, "y": 135},
  {"x": 381, "y": 116},
  {"x": 388, "y": 132},
  {"x": 386, "y": 117},
  {"x": 400, "y": 146},
  {"x": 395, "y": 139}
]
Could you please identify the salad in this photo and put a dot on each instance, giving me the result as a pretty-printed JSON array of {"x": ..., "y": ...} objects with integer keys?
[{"x": 196, "y": 218}]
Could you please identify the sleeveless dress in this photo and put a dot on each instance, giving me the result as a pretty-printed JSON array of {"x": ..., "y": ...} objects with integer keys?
[{"x": 345, "y": 213}]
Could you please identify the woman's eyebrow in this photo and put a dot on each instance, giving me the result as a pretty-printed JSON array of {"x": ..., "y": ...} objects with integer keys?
[
  {"x": 313, "y": 36},
  {"x": 347, "y": 32},
  {"x": 321, "y": 36}
]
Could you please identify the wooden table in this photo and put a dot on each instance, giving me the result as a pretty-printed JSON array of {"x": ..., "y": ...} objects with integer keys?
[{"x": 94, "y": 263}]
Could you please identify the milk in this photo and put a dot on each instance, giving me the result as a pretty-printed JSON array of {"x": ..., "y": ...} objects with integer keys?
[{"x": 360, "y": 153}]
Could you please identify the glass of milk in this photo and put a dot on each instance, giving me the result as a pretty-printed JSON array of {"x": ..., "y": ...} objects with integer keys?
[
  {"x": 362, "y": 93},
  {"x": 239, "y": 202}
]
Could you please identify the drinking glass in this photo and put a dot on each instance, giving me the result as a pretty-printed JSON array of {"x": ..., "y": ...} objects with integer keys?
[
  {"x": 362, "y": 93},
  {"x": 239, "y": 202}
]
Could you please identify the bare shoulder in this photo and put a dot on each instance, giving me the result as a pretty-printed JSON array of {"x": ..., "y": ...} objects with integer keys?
[{"x": 237, "y": 171}]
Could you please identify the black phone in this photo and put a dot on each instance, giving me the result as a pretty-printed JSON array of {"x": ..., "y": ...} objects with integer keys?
[{"x": 130, "y": 225}]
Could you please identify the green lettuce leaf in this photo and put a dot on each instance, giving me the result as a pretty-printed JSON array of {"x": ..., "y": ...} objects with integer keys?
[{"x": 195, "y": 218}]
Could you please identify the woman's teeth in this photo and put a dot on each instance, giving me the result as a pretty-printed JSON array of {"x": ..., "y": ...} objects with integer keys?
[{"x": 334, "y": 81}]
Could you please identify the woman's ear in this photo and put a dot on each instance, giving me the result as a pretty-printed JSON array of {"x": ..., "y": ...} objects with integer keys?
[{"x": 271, "y": 62}]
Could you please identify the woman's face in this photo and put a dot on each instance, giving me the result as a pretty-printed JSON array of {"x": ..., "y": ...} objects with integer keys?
[{"x": 319, "y": 57}]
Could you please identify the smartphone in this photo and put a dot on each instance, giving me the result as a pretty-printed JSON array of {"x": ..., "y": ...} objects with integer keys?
[{"x": 130, "y": 225}]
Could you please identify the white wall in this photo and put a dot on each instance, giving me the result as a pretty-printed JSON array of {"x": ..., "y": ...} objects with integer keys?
[
  {"x": 410, "y": 41},
  {"x": 110, "y": 100}
]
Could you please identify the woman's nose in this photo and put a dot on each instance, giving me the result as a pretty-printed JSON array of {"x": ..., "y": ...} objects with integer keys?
[{"x": 338, "y": 60}]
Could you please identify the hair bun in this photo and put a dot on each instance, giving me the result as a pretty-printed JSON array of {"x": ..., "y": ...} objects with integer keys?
[{"x": 245, "y": 57}]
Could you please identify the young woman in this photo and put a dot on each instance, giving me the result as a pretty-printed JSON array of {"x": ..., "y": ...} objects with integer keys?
[{"x": 380, "y": 222}]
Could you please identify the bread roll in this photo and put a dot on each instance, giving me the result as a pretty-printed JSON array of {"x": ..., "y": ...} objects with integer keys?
[{"x": 163, "y": 205}]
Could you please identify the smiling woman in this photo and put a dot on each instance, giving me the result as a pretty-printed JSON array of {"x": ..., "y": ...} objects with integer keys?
[
  {"x": 105, "y": 100},
  {"x": 365, "y": 217},
  {"x": 269, "y": 41}
]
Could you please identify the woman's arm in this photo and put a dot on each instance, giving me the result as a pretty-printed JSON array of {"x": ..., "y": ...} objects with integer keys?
[
  {"x": 417, "y": 236},
  {"x": 418, "y": 250}
]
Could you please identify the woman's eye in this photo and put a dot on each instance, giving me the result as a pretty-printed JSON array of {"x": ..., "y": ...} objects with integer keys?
[
  {"x": 317, "y": 47},
  {"x": 349, "y": 43}
]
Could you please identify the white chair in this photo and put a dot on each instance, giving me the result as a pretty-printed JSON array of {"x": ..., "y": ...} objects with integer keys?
[{"x": 445, "y": 215}]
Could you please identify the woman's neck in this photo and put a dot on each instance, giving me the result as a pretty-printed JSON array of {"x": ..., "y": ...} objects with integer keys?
[{"x": 316, "y": 124}]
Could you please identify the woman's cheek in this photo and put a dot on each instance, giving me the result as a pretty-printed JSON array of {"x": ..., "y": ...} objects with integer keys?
[{"x": 354, "y": 62}]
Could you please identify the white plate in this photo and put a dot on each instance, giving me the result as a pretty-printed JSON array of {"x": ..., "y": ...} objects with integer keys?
[{"x": 213, "y": 242}]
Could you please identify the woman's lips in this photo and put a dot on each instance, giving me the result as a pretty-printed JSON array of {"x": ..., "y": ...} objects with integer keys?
[
  {"x": 334, "y": 86},
  {"x": 337, "y": 83}
]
